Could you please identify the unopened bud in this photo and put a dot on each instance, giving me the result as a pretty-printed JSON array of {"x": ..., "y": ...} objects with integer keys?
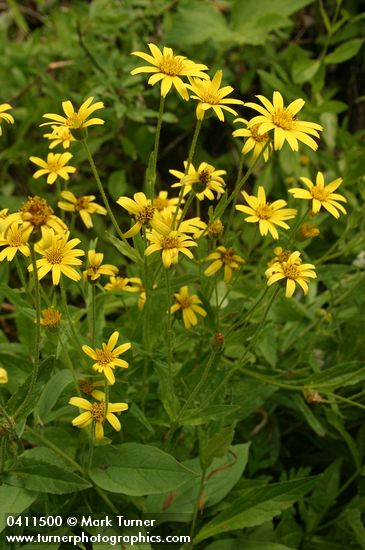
[{"x": 218, "y": 342}]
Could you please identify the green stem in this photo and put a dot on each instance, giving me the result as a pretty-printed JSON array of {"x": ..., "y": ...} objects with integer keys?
[
  {"x": 196, "y": 506},
  {"x": 66, "y": 356},
  {"x": 146, "y": 321},
  {"x": 296, "y": 226},
  {"x": 188, "y": 163},
  {"x": 93, "y": 314},
  {"x": 102, "y": 192},
  {"x": 54, "y": 448},
  {"x": 238, "y": 179},
  {"x": 37, "y": 299},
  {"x": 65, "y": 307},
  {"x": 186, "y": 207},
  {"x": 20, "y": 273},
  {"x": 169, "y": 330},
  {"x": 248, "y": 314},
  {"x": 155, "y": 149}
]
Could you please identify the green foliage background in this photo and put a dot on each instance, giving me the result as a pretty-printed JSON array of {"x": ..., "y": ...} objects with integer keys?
[{"x": 291, "y": 470}]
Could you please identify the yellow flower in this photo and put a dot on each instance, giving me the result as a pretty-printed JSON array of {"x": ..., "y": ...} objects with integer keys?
[
  {"x": 215, "y": 229},
  {"x": 139, "y": 288},
  {"x": 142, "y": 209},
  {"x": 3, "y": 376},
  {"x": 87, "y": 387},
  {"x": 211, "y": 96},
  {"x": 107, "y": 358},
  {"x": 162, "y": 202},
  {"x": 321, "y": 195},
  {"x": 51, "y": 318},
  {"x": 265, "y": 213},
  {"x": 308, "y": 231},
  {"x": 84, "y": 204},
  {"x": 189, "y": 304},
  {"x": 165, "y": 219},
  {"x": 293, "y": 271},
  {"x": 35, "y": 213},
  {"x": 203, "y": 181},
  {"x": 255, "y": 142},
  {"x": 58, "y": 256},
  {"x": 14, "y": 238},
  {"x": 168, "y": 68},
  {"x": 223, "y": 257},
  {"x": 275, "y": 116},
  {"x": 59, "y": 134},
  {"x": 170, "y": 243},
  {"x": 96, "y": 268},
  {"x": 97, "y": 413},
  {"x": 5, "y": 116},
  {"x": 76, "y": 119},
  {"x": 281, "y": 255},
  {"x": 120, "y": 283},
  {"x": 54, "y": 166}
]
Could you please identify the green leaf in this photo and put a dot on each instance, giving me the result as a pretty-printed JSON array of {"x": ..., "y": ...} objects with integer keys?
[
  {"x": 221, "y": 476},
  {"x": 344, "y": 51},
  {"x": 195, "y": 417},
  {"x": 344, "y": 374},
  {"x": 37, "y": 475},
  {"x": 125, "y": 249},
  {"x": 195, "y": 23},
  {"x": 166, "y": 390},
  {"x": 216, "y": 446},
  {"x": 51, "y": 392},
  {"x": 304, "y": 70},
  {"x": 13, "y": 500},
  {"x": 233, "y": 544},
  {"x": 256, "y": 506},
  {"x": 136, "y": 469}
]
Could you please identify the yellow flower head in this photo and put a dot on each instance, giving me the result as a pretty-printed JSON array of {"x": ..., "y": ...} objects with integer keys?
[
  {"x": 281, "y": 255},
  {"x": 255, "y": 142},
  {"x": 3, "y": 376},
  {"x": 59, "y": 135},
  {"x": 266, "y": 214},
  {"x": 308, "y": 231},
  {"x": 54, "y": 166},
  {"x": 169, "y": 68},
  {"x": 165, "y": 220},
  {"x": 120, "y": 283},
  {"x": 88, "y": 387},
  {"x": 189, "y": 305},
  {"x": 275, "y": 116},
  {"x": 5, "y": 116},
  {"x": 35, "y": 213},
  {"x": 58, "y": 256},
  {"x": 76, "y": 120},
  {"x": 203, "y": 181},
  {"x": 321, "y": 195},
  {"x": 210, "y": 96},
  {"x": 84, "y": 205},
  {"x": 107, "y": 358},
  {"x": 162, "y": 202},
  {"x": 51, "y": 318},
  {"x": 293, "y": 271},
  {"x": 226, "y": 258},
  {"x": 215, "y": 229},
  {"x": 170, "y": 243},
  {"x": 143, "y": 211},
  {"x": 96, "y": 268},
  {"x": 97, "y": 413},
  {"x": 15, "y": 238}
]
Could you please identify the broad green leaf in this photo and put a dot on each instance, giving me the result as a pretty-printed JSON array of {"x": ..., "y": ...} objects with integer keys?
[
  {"x": 304, "y": 70},
  {"x": 195, "y": 23},
  {"x": 13, "y": 500},
  {"x": 125, "y": 249},
  {"x": 344, "y": 374},
  {"x": 221, "y": 476},
  {"x": 51, "y": 392},
  {"x": 37, "y": 475},
  {"x": 344, "y": 51},
  {"x": 216, "y": 446},
  {"x": 136, "y": 469},
  {"x": 256, "y": 506},
  {"x": 233, "y": 544},
  {"x": 196, "y": 417}
]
